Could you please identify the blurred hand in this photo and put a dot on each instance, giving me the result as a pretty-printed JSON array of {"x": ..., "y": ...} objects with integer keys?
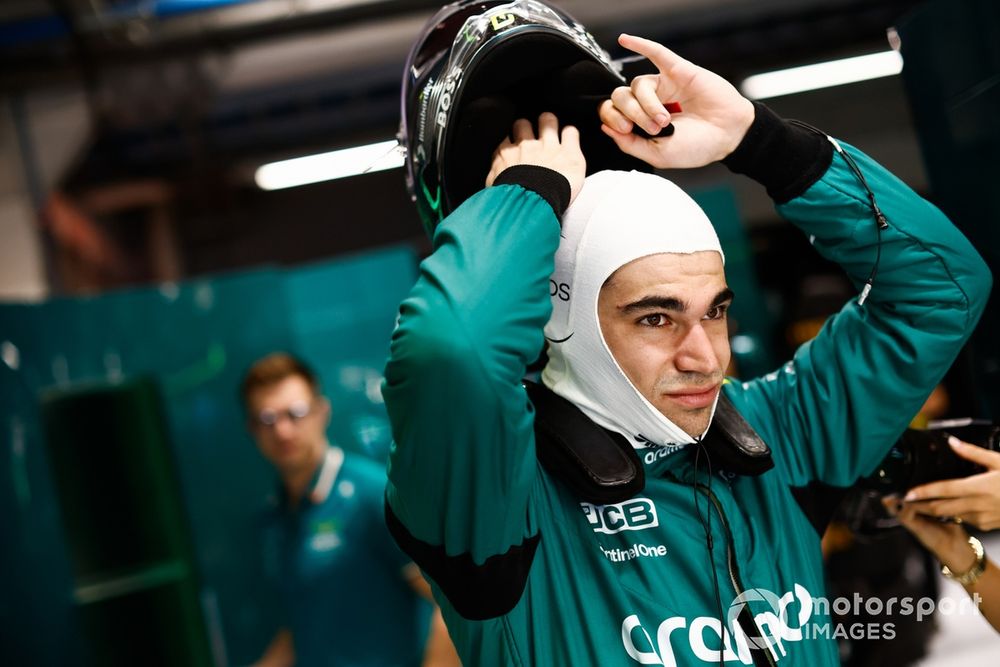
[
  {"x": 714, "y": 117},
  {"x": 549, "y": 149},
  {"x": 947, "y": 541},
  {"x": 974, "y": 499}
]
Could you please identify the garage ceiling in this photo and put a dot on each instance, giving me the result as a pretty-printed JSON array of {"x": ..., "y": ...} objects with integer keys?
[
  {"x": 276, "y": 75},
  {"x": 197, "y": 93}
]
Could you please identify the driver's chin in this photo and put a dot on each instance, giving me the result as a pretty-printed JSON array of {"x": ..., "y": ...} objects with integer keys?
[
  {"x": 697, "y": 431},
  {"x": 694, "y": 423}
]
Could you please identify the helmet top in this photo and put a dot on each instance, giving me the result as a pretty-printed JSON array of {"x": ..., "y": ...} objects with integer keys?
[{"x": 476, "y": 67}]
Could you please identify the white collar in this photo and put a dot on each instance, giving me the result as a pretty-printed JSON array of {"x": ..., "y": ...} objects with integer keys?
[{"x": 332, "y": 462}]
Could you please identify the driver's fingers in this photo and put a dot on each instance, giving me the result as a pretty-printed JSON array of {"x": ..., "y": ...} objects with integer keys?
[
  {"x": 522, "y": 130},
  {"x": 659, "y": 55},
  {"x": 614, "y": 118},
  {"x": 548, "y": 128},
  {"x": 571, "y": 137},
  {"x": 629, "y": 106},
  {"x": 644, "y": 90},
  {"x": 506, "y": 143},
  {"x": 673, "y": 69},
  {"x": 646, "y": 150}
]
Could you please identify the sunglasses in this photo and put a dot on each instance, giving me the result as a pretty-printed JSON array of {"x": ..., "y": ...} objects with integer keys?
[{"x": 295, "y": 413}]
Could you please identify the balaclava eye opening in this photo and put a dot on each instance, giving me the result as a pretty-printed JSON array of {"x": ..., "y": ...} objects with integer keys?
[{"x": 618, "y": 217}]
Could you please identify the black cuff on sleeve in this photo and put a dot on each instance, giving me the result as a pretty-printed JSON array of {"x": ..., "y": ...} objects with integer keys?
[
  {"x": 549, "y": 184},
  {"x": 783, "y": 157},
  {"x": 478, "y": 592}
]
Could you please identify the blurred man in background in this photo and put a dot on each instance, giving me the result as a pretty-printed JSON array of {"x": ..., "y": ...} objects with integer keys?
[{"x": 348, "y": 595}]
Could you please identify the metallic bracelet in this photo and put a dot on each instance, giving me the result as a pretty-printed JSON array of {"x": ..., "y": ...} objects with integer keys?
[{"x": 976, "y": 571}]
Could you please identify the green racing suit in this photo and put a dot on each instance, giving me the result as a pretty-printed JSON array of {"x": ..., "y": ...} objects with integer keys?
[{"x": 525, "y": 573}]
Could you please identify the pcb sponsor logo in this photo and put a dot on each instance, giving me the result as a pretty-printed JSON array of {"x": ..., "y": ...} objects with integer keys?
[{"x": 634, "y": 514}]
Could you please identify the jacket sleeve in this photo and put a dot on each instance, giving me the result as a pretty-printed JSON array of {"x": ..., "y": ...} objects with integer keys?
[
  {"x": 833, "y": 411},
  {"x": 462, "y": 465}
]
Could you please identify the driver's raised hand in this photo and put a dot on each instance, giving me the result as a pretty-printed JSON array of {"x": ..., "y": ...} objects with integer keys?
[
  {"x": 713, "y": 120},
  {"x": 559, "y": 151}
]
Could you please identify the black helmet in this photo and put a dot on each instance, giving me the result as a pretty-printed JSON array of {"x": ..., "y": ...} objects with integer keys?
[{"x": 478, "y": 66}]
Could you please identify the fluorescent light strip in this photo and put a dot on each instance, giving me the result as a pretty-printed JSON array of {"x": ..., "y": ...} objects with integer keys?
[
  {"x": 822, "y": 75},
  {"x": 329, "y": 166}
]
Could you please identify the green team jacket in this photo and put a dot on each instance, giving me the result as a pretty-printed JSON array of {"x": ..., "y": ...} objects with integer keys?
[{"x": 525, "y": 573}]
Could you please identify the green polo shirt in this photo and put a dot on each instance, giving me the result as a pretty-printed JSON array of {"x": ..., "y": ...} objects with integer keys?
[{"x": 341, "y": 580}]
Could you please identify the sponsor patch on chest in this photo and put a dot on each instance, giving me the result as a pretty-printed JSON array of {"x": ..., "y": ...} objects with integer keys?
[{"x": 633, "y": 514}]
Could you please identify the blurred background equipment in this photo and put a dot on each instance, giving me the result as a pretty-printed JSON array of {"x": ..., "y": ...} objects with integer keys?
[{"x": 923, "y": 455}]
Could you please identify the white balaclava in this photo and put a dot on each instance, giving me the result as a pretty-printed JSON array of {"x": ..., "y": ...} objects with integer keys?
[{"x": 617, "y": 217}]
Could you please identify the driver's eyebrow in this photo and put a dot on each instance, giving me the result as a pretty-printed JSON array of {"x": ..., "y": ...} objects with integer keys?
[
  {"x": 654, "y": 303},
  {"x": 672, "y": 303},
  {"x": 723, "y": 296}
]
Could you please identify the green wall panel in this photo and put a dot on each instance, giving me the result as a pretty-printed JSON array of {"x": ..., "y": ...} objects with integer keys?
[{"x": 343, "y": 316}]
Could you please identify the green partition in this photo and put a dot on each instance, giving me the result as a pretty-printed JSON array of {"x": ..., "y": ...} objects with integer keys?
[
  {"x": 37, "y": 611},
  {"x": 135, "y": 579},
  {"x": 342, "y": 317}
]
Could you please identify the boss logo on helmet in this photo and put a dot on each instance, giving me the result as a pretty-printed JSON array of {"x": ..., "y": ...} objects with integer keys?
[{"x": 444, "y": 105}]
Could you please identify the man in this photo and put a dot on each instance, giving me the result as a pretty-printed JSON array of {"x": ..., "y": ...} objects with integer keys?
[
  {"x": 348, "y": 595},
  {"x": 526, "y": 572}
]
